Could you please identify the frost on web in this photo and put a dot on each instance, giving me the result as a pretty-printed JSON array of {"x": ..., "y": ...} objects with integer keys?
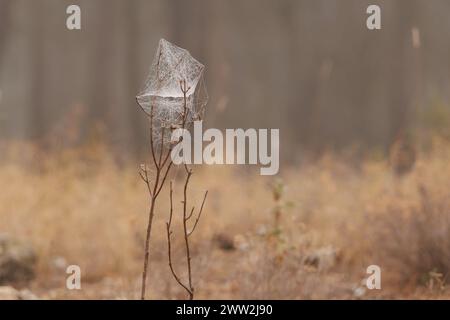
[{"x": 162, "y": 97}]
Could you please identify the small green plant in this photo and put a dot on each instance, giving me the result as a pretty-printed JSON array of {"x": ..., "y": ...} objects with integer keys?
[{"x": 278, "y": 192}]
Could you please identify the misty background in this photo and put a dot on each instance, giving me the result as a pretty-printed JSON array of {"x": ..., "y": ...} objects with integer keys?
[{"x": 308, "y": 67}]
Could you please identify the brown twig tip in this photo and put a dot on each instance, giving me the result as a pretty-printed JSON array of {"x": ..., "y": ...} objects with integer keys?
[
  {"x": 199, "y": 213},
  {"x": 190, "y": 214},
  {"x": 143, "y": 177}
]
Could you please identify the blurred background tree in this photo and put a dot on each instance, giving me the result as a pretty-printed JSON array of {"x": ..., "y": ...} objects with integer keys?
[{"x": 308, "y": 67}]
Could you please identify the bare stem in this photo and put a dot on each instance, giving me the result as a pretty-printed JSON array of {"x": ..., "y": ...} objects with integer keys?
[
  {"x": 154, "y": 189},
  {"x": 186, "y": 240},
  {"x": 169, "y": 246},
  {"x": 147, "y": 249}
]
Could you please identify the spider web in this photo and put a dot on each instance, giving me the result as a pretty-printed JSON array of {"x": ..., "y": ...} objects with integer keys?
[{"x": 162, "y": 96}]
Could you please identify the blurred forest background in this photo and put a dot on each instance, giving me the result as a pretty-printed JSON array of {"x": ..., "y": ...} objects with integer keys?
[{"x": 308, "y": 67}]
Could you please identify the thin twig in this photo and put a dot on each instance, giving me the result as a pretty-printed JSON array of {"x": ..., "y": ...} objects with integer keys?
[
  {"x": 190, "y": 214},
  {"x": 152, "y": 146},
  {"x": 146, "y": 180},
  {"x": 169, "y": 246},
  {"x": 164, "y": 178},
  {"x": 186, "y": 240},
  {"x": 199, "y": 214},
  {"x": 162, "y": 146}
]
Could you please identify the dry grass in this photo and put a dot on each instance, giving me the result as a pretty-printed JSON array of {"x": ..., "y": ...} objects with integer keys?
[{"x": 335, "y": 220}]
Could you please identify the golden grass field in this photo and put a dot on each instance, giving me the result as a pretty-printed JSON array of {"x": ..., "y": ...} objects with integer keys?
[{"x": 336, "y": 217}]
